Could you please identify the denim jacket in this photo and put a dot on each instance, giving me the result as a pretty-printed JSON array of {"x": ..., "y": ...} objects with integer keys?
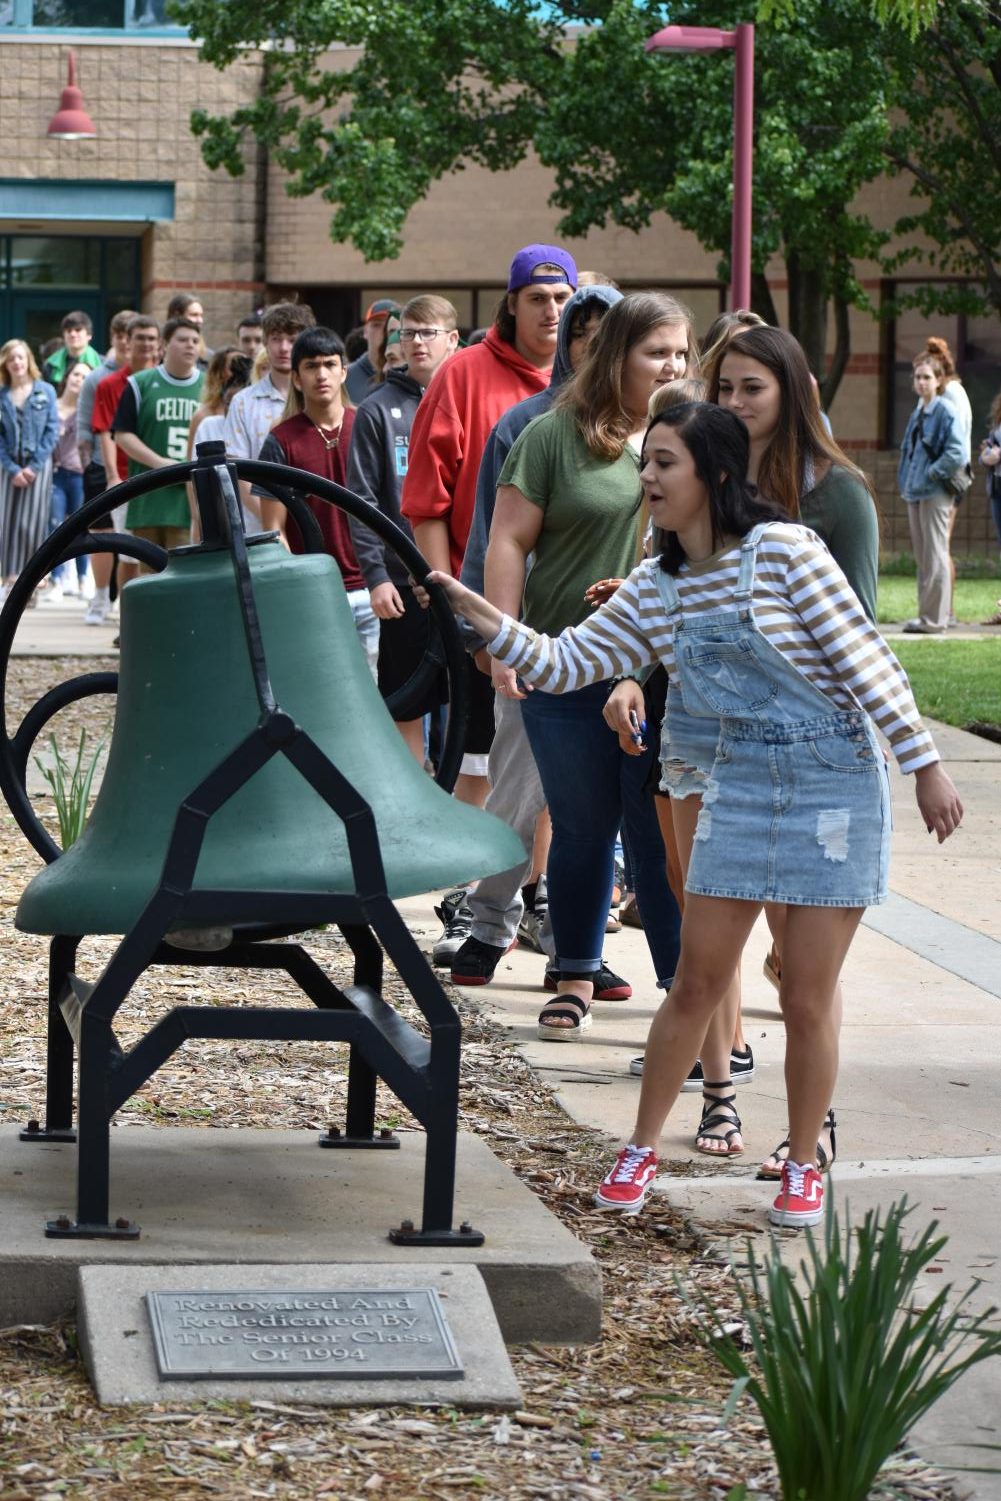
[
  {"x": 39, "y": 428},
  {"x": 932, "y": 430}
]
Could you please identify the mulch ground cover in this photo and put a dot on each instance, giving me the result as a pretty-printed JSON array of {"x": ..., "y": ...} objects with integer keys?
[{"x": 637, "y": 1415}]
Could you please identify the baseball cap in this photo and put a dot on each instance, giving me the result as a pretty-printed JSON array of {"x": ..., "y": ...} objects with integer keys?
[
  {"x": 384, "y": 308},
  {"x": 531, "y": 256}
]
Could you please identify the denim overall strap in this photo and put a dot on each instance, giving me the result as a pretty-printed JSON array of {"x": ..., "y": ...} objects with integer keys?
[
  {"x": 745, "y": 576},
  {"x": 668, "y": 591}
]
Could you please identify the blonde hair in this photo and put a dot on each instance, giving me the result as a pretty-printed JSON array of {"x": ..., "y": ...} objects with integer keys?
[
  {"x": 429, "y": 308},
  {"x": 7, "y": 350},
  {"x": 675, "y": 394}
]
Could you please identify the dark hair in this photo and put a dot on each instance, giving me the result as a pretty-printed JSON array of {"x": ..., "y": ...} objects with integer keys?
[
  {"x": 77, "y": 320},
  {"x": 720, "y": 448},
  {"x": 70, "y": 367},
  {"x": 241, "y": 367},
  {"x": 180, "y": 302},
  {"x": 173, "y": 324},
  {"x": 141, "y": 320},
  {"x": 315, "y": 342},
  {"x": 800, "y": 440},
  {"x": 120, "y": 322},
  {"x": 252, "y": 320}
]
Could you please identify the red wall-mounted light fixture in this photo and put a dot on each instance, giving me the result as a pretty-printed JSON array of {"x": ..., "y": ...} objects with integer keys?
[{"x": 71, "y": 122}]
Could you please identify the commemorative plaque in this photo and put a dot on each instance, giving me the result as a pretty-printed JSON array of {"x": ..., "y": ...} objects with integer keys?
[{"x": 292, "y": 1334}]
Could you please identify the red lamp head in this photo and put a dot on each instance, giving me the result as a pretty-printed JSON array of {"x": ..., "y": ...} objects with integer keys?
[{"x": 71, "y": 122}]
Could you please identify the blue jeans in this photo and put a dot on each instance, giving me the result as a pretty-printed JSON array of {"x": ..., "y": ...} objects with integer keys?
[
  {"x": 592, "y": 788},
  {"x": 996, "y": 513},
  {"x": 67, "y": 497}
]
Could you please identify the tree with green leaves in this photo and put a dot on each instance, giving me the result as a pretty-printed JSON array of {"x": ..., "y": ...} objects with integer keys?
[
  {"x": 947, "y": 83},
  {"x": 626, "y": 133}
]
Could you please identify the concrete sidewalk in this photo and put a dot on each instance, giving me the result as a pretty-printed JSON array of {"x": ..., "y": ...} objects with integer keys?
[
  {"x": 921, "y": 1046},
  {"x": 917, "y": 1097}
]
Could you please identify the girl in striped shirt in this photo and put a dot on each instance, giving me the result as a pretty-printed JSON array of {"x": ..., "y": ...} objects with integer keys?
[{"x": 757, "y": 626}]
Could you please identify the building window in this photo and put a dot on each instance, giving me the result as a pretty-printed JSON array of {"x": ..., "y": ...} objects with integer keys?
[{"x": 87, "y": 15}]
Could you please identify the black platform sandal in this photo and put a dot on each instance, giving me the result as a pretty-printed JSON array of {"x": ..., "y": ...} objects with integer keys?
[
  {"x": 770, "y": 1170},
  {"x": 564, "y": 1007},
  {"x": 718, "y": 1111}
]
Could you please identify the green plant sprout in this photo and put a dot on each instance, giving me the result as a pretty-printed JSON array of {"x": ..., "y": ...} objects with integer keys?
[
  {"x": 71, "y": 786},
  {"x": 843, "y": 1369}
]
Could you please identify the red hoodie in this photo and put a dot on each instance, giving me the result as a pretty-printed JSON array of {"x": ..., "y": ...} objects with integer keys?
[{"x": 466, "y": 397}]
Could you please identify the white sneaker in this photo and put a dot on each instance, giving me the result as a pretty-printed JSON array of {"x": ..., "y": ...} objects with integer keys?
[{"x": 97, "y": 612}]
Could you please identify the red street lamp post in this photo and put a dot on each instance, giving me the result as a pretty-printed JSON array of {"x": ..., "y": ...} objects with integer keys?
[{"x": 711, "y": 39}]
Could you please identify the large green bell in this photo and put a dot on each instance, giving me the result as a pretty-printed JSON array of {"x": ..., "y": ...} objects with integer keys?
[{"x": 186, "y": 699}]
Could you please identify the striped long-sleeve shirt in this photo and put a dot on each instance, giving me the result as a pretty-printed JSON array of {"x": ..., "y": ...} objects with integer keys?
[{"x": 802, "y": 604}]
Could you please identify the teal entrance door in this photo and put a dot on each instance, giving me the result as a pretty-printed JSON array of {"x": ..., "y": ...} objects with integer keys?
[{"x": 36, "y": 316}]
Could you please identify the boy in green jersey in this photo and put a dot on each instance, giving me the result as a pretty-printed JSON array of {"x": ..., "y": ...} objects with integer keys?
[{"x": 151, "y": 426}]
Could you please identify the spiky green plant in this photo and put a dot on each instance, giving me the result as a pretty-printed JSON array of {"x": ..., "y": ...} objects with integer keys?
[
  {"x": 843, "y": 1369},
  {"x": 71, "y": 786}
]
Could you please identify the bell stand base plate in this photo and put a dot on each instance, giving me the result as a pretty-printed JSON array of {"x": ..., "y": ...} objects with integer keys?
[
  {"x": 67, "y": 1229},
  {"x": 386, "y": 1141},
  {"x": 34, "y": 1132},
  {"x": 407, "y": 1235}
]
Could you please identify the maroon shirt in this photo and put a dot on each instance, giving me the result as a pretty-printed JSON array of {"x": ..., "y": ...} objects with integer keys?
[{"x": 297, "y": 442}]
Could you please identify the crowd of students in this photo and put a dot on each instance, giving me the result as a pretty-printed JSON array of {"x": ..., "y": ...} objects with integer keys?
[{"x": 668, "y": 583}]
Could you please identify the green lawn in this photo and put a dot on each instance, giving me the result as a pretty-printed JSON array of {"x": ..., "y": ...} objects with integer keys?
[
  {"x": 956, "y": 681},
  {"x": 897, "y": 600}
]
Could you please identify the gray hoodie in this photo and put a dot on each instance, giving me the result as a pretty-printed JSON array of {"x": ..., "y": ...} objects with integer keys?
[{"x": 502, "y": 438}]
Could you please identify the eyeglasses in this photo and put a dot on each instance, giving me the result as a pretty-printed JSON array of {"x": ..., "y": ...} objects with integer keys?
[{"x": 408, "y": 335}]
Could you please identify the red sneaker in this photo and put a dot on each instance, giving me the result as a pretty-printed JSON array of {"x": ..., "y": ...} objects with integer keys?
[
  {"x": 625, "y": 1186},
  {"x": 800, "y": 1199}
]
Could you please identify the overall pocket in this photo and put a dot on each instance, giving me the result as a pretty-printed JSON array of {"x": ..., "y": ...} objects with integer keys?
[
  {"x": 728, "y": 676},
  {"x": 851, "y": 755}
]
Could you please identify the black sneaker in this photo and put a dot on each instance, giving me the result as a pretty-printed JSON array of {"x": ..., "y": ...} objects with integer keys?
[
  {"x": 457, "y": 917},
  {"x": 475, "y": 962},
  {"x": 741, "y": 1070},
  {"x": 608, "y": 986}
]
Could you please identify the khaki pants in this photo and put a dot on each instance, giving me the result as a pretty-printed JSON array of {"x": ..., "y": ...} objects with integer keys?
[{"x": 929, "y": 521}]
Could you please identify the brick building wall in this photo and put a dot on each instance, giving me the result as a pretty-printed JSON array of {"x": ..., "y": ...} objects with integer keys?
[{"x": 140, "y": 95}]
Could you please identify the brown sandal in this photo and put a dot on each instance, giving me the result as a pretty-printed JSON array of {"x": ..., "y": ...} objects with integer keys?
[{"x": 772, "y": 970}]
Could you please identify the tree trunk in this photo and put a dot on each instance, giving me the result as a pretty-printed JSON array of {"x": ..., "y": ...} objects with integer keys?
[
  {"x": 842, "y": 349},
  {"x": 808, "y": 297},
  {"x": 761, "y": 299}
]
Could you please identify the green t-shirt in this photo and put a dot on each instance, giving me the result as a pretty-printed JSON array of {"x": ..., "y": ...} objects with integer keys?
[
  {"x": 590, "y": 530},
  {"x": 158, "y": 409},
  {"x": 842, "y": 513}
]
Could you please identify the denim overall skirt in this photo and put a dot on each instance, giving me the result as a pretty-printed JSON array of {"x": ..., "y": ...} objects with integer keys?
[{"x": 796, "y": 808}]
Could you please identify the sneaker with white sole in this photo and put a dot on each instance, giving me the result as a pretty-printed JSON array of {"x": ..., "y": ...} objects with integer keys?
[
  {"x": 456, "y": 916},
  {"x": 625, "y": 1187},
  {"x": 97, "y": 611},
  {"x": 800, "y": 1199},
  {"x": 741, "y": 1070},
  {"x": 608, "y": 986}
]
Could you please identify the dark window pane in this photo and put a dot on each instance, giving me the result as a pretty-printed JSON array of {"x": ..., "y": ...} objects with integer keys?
[
  {"x": 121, "y": 268},
  {"x": 78, "y": 13},
  {"x": 55, "y": 261}
]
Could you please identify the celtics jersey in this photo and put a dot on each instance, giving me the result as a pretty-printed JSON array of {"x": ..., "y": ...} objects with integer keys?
[{"x": 158, "y": 408}]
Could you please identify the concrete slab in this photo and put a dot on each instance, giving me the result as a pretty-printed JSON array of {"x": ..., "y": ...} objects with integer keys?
[
  {"x": 262, "y": 1197},
  {"x": 117, "y": 1342}
]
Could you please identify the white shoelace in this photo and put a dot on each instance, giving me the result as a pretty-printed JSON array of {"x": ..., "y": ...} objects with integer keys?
[
  {"x": 633, "y": 1160},
  {"x": 795, "y": 1181}
]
